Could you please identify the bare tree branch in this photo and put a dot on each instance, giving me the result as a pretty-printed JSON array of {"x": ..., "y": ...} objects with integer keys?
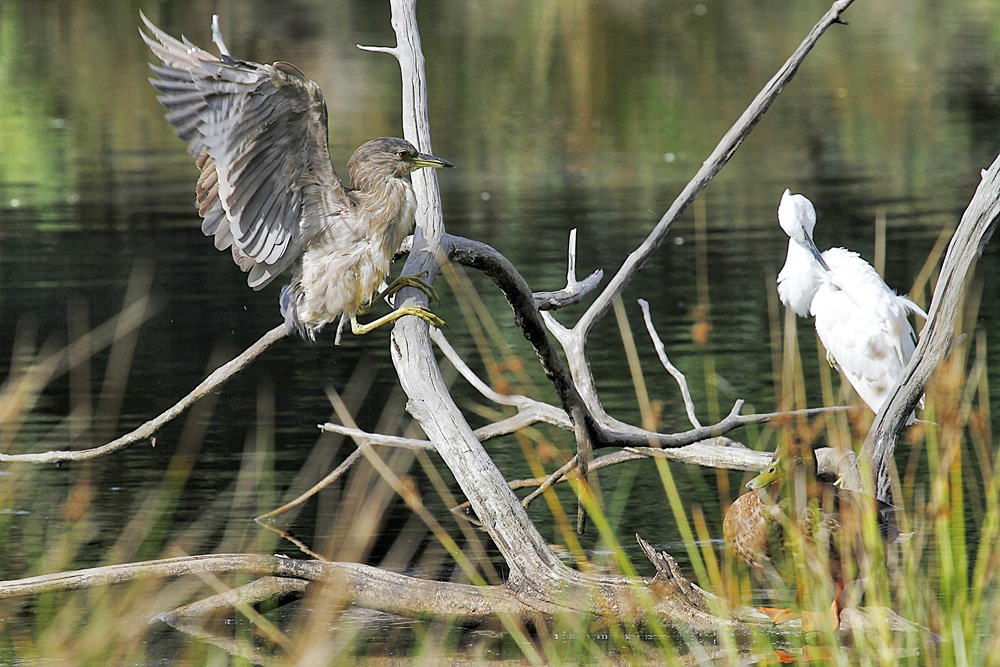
[
  {"x": 662, "y": 354},
  {"x": 147, "y": 430},
  {"x": 504, "y": 275},
  {"x": 533, "y": 414},
  {"x": 329, "y": 479},
  {"x": 709, "y": 452},
  {"x": 977, "y": 226},
  {"x": 715, "y": 453},
  {"x": 520, "y": 543},
  {"x": 574, "y": 290},
  {"x": 521, "y": 299},
  {"x": 477, "y": 383},
  {"x": 545, "y": 484},
  {"x": 365, "y": 439}
]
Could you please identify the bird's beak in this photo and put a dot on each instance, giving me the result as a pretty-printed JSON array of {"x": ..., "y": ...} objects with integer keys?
[
  {"x": 811, "y": 247},
  {"x": 424, "y": 160},
  {"x": 770, "y": 474}
]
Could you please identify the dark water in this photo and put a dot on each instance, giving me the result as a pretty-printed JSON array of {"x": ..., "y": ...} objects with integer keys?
[{"x": 560, "y": 115}]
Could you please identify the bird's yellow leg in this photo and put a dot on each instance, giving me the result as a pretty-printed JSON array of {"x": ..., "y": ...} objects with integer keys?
[
  {"x": 409, "y": 280},
  {"x": 417, "y": 311}
]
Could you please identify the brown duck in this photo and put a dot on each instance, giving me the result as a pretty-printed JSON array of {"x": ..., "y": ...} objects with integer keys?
[{"x": 788, "y": 504}]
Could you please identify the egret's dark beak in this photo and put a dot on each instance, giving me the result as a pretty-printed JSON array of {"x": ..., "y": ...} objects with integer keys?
[
  {"x": 424, "y": 160},
  {"x": 811, "y": 247}
]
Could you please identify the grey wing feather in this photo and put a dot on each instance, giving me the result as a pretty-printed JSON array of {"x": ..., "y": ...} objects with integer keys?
[{"x": 258, "y": 133}]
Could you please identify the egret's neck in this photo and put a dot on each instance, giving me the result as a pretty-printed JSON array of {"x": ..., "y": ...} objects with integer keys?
[{"x": 799, "y": 279}]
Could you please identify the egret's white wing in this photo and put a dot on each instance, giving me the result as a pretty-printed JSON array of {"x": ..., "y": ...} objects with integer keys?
[
  {"x": 864, "y": 325},
  {"x": 259, "y": 135}
]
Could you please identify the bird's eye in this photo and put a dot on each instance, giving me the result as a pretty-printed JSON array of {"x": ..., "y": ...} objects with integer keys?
[{"x": 402, "y": 154}]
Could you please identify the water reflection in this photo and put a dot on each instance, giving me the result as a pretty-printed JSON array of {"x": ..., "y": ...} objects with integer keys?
[{"x": 560, "y": 115}]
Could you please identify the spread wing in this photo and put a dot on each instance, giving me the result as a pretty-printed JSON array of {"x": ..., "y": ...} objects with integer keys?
[{"x": 259, "y": 135}]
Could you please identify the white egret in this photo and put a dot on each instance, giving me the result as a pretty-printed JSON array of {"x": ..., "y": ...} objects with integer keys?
[{"x": 861, "y": 322}]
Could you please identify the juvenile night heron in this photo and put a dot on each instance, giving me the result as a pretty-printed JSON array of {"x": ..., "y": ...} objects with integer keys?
[{"x": 268, "y": 190}]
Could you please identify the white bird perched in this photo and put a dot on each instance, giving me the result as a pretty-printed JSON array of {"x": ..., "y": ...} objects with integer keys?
[{"x": 861, "y": 322}]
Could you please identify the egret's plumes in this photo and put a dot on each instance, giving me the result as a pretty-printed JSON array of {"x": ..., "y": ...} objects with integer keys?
[
  {"x": 862, "y": 323},
  {"x": 268, "y": 189}
]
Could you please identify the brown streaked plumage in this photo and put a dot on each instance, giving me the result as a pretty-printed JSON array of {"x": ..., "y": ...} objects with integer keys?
[
  {"x": 786, "y": 500},
  {"x": 268, "y": 190}
]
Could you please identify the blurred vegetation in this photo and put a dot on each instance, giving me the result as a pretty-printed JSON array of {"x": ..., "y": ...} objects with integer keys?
[{"x": 942, "y": 575}]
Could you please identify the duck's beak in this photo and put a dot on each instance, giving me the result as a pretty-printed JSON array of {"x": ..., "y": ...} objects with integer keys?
[{"x": 769, "y": 475}]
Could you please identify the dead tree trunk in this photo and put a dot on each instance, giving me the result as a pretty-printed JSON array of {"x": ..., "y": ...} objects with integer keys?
[
  {"x": 537, "y": 578},
  {"x": 977, "y": 226}
]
